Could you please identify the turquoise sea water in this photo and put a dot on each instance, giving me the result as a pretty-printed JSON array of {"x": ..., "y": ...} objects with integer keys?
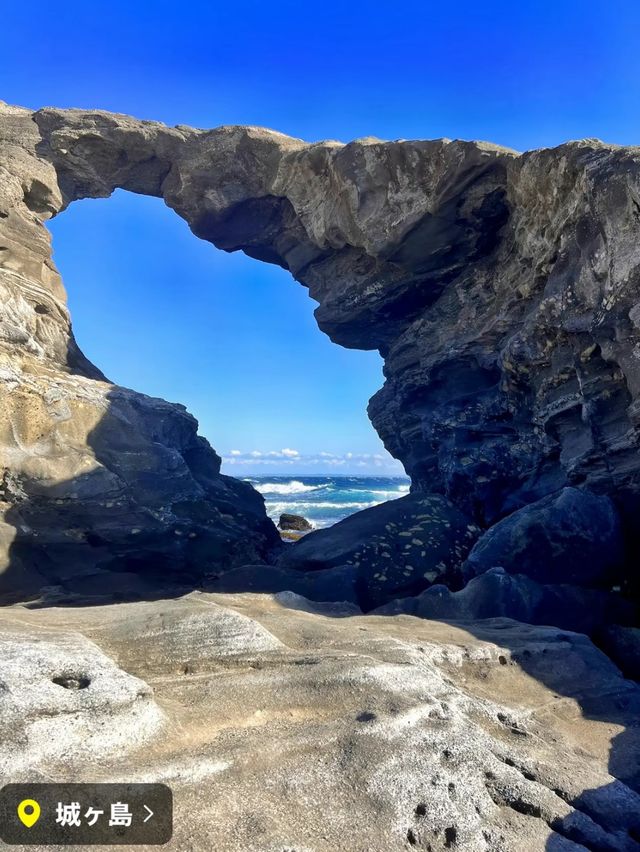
[{"x": 323, "y": 500}]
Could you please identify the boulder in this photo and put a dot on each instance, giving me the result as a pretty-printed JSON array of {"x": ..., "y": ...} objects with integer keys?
[
  {"x": 329, "y": 584},
  {"x": 571, "y": 537},
  {"x": 496, "y": 594},
  {"x": 397, "y": 548},
  {"x": 622, "y": 644},
  {"x": 293, "y": 522}
]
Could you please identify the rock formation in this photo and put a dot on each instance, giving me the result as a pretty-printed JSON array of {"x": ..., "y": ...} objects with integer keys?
[
  {"x": 297, "y": 523},
  {"x": 397, "y": 548},
  {"x": 501, "y": 289},
  {"x": 278, "y": 728},
  {"x": 103, "y": 491}
]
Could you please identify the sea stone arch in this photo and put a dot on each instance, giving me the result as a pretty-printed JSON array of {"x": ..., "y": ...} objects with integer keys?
[{"x": 501, "y": 290}]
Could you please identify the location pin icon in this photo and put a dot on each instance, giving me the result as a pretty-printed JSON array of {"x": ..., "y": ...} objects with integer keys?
[{"x": 28, "y": 812}]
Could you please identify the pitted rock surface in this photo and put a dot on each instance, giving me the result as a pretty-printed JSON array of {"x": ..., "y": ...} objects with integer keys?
[
  {"x": 64, "y": 702},
  {"x": 394, "y": 549},
  {"x": 329, "y": 733}
]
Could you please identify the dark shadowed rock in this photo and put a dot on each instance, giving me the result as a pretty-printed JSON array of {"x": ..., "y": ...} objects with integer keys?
[
  {"x": 569, "y": 537},
  {"x": 397, "y": 548},
  {"x": 496, "y": 594},
  {"x": 622, "y": 644},
  {"x": 294, "y": 522},
  {"x": 330, "y": 584}
]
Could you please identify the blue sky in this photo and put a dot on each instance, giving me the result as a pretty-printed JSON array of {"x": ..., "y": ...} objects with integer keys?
[{"x": 234, "y": 339}]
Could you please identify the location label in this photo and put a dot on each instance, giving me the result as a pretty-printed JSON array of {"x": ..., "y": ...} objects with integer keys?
[
  {"x": 83, "y": 815},
  {"x": 28, "y": 812}
]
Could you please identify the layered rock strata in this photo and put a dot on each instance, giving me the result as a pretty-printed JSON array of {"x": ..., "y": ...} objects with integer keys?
[{"x": 501, "y": 289}]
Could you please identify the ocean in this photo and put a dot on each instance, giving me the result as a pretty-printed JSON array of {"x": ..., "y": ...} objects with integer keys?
[{"x": 324, "y": 500}]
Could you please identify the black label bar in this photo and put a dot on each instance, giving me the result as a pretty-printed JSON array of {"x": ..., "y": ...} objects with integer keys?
[{"x": 86, "y": 814}]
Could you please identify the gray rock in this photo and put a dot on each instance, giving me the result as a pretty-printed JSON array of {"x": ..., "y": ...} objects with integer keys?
[
  {"x": 501, "y": 289},
  {"x": 497, "y": 594},
  {"x": 62, "y": 698},
  {"x": 397, "y": 548},
  {"x": 329, "y": 584},
  {"x": 328, "y": 733},
  {"x": 293, "y": 522},
  {"x": 622, "y": 644},
  {"x": 571, "y": 537}
]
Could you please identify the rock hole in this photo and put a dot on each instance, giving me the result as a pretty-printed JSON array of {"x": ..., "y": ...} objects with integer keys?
[
  {"x": 450, "y": 836},
  {"x": 366, "y": 717},
  {"x": 412, "y": 837},
  {"x": 502, "y": 660},
  {"x": 421, "y": 810},
  {"x": 523, "y": 807},
  {"x": 72, "y": 681}
]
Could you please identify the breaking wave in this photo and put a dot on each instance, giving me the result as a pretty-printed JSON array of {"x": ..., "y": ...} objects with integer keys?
[{"x": 293, "y": 487}]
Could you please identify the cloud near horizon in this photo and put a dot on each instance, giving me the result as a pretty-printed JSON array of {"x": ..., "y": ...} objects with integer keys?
[{"x": 322, "y": 459}]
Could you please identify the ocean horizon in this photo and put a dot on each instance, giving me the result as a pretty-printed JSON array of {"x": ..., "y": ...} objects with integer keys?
[{"x": 325, "y": 500}]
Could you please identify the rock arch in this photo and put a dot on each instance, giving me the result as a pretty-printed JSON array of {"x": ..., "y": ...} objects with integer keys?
[{"x": 501, "y": 290}]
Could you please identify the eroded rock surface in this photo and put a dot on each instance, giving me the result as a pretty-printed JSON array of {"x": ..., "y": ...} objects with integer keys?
[
  {"x": 280, "y": 728},
  {"x": 103, "y": 491},
  {"x": 497, "y": 593},
  {"x": 395, "y": 549},
  {"x": 570, "y": 537},
  {"x": 502, "y": 289},
  {"x": 63, "y": 701}
]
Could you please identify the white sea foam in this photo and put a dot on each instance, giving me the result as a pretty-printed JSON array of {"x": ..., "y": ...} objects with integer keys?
[
  {"x": 294, "y": 487},
  {"x": 398, "y": 491},
  {"x": 273, "y": 508}
]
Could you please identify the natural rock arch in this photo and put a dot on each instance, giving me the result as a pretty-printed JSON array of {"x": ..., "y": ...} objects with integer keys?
[
  {"x": 502, "y": 292},
  {"x": 499, "y": 288}
]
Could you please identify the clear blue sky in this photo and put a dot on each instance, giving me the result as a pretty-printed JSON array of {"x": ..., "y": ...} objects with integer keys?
[{"x": 234, "y": 339}]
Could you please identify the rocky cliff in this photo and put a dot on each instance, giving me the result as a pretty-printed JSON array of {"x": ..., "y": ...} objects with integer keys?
[
  {"x": 102, "y": 490},
  {"x": 503, "y": 291}
]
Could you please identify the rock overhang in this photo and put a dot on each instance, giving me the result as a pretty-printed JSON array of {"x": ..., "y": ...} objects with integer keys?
[{"x": 499, "y": 287}]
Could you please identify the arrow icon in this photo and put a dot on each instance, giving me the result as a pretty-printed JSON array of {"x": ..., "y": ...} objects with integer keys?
[{"x": 147, "y": 818}]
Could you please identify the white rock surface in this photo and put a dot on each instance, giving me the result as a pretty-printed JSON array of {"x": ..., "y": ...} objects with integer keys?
[{"x": 284, "y": 729}]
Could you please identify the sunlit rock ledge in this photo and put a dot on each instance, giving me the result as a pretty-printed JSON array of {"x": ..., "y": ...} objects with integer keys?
[{"x": 281, "y": 728}]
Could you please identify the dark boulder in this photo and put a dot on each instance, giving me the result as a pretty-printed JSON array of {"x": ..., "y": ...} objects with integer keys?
[
  {"x": 571, "y": 536},
  {"x": 294, "y": 522},
  {"x": 331, "y": 584},
  {"x": 498, "y": 594},
  {"x": 397, "y": 548},
  {"x": 622, "y": 644}
]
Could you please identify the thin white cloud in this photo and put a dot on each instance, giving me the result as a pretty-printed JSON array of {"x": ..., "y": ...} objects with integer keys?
[{"x": 301, "y": 462}]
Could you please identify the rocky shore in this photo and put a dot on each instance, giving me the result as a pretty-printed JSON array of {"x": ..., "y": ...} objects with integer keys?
[{"x": 425, "y": 669}]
